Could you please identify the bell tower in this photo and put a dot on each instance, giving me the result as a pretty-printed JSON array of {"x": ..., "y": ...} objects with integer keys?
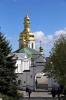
[{"x": 26, "y": 37}]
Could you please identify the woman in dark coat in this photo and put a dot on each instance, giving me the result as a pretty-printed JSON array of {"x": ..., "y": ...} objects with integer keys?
[{"x": 53, "y": 92}]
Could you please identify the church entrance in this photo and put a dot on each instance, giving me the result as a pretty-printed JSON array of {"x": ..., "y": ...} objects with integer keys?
[{"x": 41, "y": 82}]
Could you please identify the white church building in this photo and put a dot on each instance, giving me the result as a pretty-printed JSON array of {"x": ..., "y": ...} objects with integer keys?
[{"x": 29, "y": 61}]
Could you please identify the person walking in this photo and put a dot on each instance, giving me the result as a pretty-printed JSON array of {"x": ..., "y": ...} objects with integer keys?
[
  {"x": 58, "y": 93},
  {"x": 29, "y": 92},
  {"x": 36, "y": 83},
  {"x": 53, "y": 92}
]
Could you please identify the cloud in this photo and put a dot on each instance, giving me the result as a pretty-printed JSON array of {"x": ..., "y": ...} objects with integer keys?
[
  {"x": 41, "y": 36},
  {"x": 58, "y": 33},
  {"x": 49, "y": 38},
  {"x": 47, "y": 41},
  {"x": 47, "y": 48}
]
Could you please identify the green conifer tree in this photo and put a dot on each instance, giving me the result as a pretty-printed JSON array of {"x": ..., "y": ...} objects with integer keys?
[{"x": 8, "y": 84}]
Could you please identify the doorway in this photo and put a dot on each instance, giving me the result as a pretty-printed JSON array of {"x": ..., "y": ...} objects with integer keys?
[{"x": 41, "y": 82}]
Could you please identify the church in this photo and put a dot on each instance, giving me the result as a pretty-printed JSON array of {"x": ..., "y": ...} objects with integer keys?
[{"x": 29, "y": 61}]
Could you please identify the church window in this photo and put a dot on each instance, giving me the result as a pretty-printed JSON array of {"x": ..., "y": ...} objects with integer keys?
[
  {"x": 32, "y": 45},
  {"x": 17, "y": 67},
  {"x": 31, "y": 76},
  {"x": 19, "y": 82}
]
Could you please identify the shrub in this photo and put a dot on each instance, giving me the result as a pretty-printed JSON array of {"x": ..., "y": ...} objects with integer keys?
[{"x": 5, "y": 97}]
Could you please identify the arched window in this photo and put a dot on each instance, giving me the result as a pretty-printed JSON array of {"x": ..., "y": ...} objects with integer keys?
[{"x": 32, "y": 45}]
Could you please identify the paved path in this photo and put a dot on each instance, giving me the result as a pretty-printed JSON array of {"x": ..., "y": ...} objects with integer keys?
[
  {"x": 37, "y": 94},
  {"x": 39, "y": 98},
  {"x": 42, "y": 84}
]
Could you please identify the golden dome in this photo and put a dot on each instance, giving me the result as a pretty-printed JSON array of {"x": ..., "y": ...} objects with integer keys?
[
  {"x": 30, "y": 33},
  {"x": 31, "y": 36},
  {"x": 23, "y": 42},
  {"x": 40, "y": 49},
  {"x": 26, "y": 34},
  {"x": 26, "y": 17}
]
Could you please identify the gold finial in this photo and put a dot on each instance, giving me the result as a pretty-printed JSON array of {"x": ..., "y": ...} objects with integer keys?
[
  {"x": 32, "y": 60},
  {"x": 40, "y": 43},
  {"x": 40, "y": 48}
]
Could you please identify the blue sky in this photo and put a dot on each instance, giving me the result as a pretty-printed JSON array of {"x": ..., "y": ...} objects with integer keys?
[{"x": 47, "y": 18}]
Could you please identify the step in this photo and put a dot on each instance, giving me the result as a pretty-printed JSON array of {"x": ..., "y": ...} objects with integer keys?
[{"x": 39, "y": 98}]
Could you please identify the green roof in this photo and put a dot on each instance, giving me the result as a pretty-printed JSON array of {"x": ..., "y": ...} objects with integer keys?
[
  {"x": 24, "y": 50},
  {"x": 32, "y": 53}
]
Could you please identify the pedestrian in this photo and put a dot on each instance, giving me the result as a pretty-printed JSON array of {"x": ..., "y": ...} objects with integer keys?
[
  {"x": 61, "y": 88},
  {"x": 29, "y": 92},
  {"x": 36, "y": 83},
  {"x": 53, "y": 92},
  {"x": 58, "y": 93}
]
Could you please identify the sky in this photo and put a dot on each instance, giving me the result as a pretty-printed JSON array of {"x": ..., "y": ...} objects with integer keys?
[{"x": 47, "y": 21}]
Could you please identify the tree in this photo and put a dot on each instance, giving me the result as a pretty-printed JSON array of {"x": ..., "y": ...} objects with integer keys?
[
  {"x": 8, "y": 84},
  {"x": 56, "y": 65}
]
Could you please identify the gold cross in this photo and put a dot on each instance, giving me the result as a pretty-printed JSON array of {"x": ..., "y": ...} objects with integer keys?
[{"x": 26, "y": 10}]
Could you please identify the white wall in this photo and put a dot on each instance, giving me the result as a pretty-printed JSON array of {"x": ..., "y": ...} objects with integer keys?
[
  {"x": 30, "y": 44},
  {"x": 52, "y": 83},
  {"x": 23, "y": 64},
  {"x": 32, "y": 79},
  {"x": 26, "y": 79},
  {"x": 40, "y": 59},
  {"x": 26, "y": 65},
  {"x": 20, "y": 77},
  {"x": 19, "y": 68}
]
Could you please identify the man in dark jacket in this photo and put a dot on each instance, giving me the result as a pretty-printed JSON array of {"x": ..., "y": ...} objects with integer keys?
[{"x": 58, "y": 93}]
